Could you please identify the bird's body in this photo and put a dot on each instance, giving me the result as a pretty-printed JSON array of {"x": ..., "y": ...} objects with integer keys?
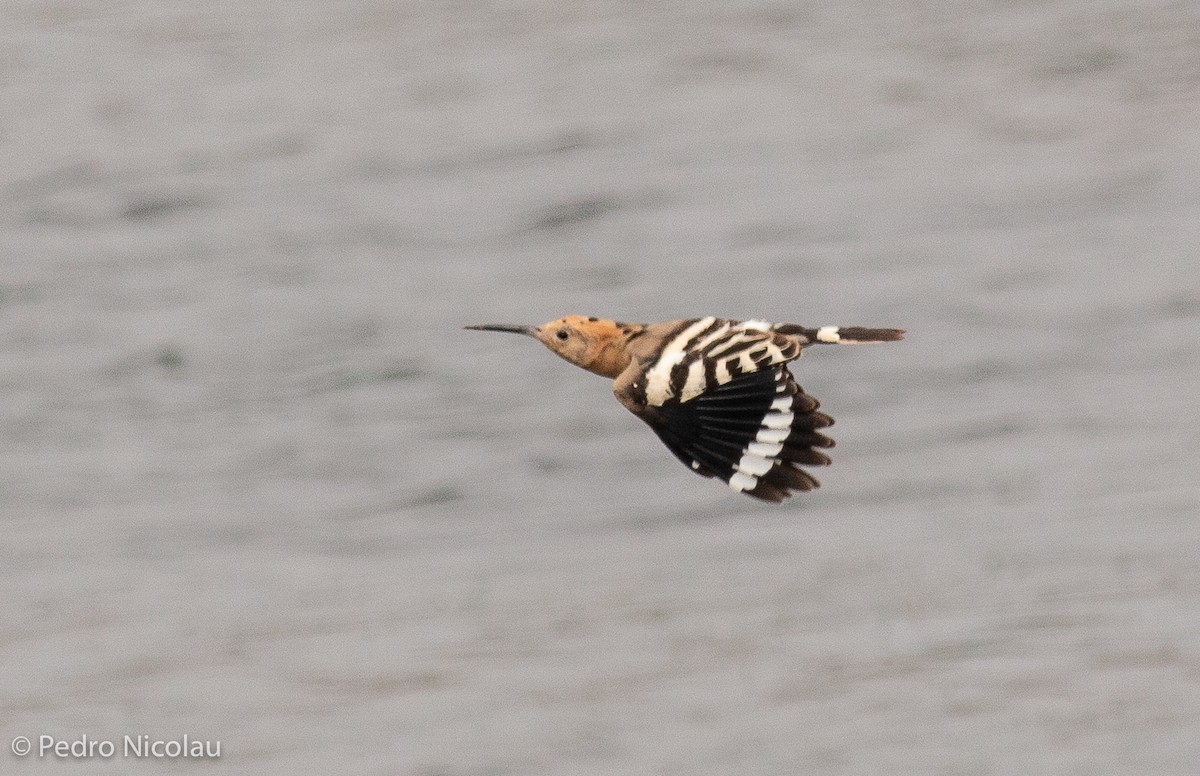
[{"x": 716, "y": 391}]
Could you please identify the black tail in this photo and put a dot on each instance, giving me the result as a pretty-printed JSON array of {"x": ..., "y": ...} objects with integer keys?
[{"x": 840, "y": 335}]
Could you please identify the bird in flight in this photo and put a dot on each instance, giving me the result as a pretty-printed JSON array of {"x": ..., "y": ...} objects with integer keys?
[{"x": 716, "y": 391}]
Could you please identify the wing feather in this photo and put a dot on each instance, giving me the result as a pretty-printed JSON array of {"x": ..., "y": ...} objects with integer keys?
[
  {"x": 719, "y": 395},
  {"x": 752, "y": 432}
]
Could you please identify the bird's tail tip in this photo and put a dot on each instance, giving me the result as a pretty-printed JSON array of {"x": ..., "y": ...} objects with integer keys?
[{"x": 861, "y": 334}]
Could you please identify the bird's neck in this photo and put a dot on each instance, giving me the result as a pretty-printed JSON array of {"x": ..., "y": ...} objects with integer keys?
[
  {"x": 610, "y": 360},
  {"x": 612, "y": 353}
]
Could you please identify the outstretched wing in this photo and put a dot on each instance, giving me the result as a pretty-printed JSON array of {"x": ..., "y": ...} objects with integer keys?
[{"x": 752, "y": 430}]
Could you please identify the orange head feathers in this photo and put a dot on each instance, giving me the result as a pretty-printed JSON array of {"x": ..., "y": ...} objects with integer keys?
[{"x": 595, "y": 344}]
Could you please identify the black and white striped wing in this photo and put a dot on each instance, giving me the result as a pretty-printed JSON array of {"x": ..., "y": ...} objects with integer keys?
[
  {"x": 719, "y": 394},
  {"x": 753, "y": 432},
  {"x": 708, "y": 352}
]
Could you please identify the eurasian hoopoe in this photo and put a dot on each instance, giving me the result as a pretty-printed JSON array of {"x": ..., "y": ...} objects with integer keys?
[{"x": 718, "y": 392}]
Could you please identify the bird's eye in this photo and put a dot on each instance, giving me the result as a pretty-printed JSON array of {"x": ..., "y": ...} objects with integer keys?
[{"x": 562, "y": 334}]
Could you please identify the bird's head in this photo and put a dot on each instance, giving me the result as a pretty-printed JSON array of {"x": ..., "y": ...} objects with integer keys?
[{"x": 595, "y": 344}]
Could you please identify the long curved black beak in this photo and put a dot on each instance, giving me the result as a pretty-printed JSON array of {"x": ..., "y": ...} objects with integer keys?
[{"x": 530, "y": 331}]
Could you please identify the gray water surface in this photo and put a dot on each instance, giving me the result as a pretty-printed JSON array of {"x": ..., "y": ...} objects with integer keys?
[{"x": 258, "y": 487}]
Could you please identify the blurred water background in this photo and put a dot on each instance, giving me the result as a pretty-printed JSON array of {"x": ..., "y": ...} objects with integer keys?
[{"x": 257, "y": 485}]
